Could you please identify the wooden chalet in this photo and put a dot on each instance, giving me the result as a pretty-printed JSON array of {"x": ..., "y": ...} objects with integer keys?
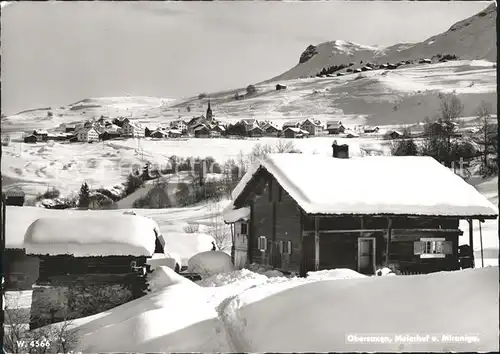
[
  {"x": 15, "y": 197},
  {"x": 290, "y": 124},
  {"x": 109, "y": 135},
  {"x": 335, "y": 127},
  {"x": 369, "y": 130},
  {"x": 272, "y": 130},
  {"x": 41, "y": 134},
  {"x": 311, "y": 126},
  {"x": 256, "y": 131},
  {"x": 328, "y": 213},
  {"x": 395, "y": 134},
  {"x": 158, "y": 134},
  {"x": 202, "y": 131},
  {"x": 30, "y": 139},
  {"x": 90, "y": 262},
  {"x": 295, "y": 133}
]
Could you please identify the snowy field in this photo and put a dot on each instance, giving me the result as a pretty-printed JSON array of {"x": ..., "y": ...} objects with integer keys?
[
  {"x": 244, "y": 311},
  {"x": 34, "y": 167}
]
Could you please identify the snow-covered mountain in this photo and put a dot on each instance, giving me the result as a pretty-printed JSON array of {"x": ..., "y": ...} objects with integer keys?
[{"x": 472, "y": 38}]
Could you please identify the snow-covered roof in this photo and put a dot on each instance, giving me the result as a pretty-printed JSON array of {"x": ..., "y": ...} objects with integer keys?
[
  {"x": 92, "y": 235},
  {"x": 200, "y": 127},
  {"x": 231, "y": 215},
  {"x": 297, "y": 130},
  {"x": 175, "y": 131},
  {"x": 381, "y": 185}
]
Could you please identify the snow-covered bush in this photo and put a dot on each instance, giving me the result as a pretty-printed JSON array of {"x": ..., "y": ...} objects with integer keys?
[
  {"x": 384, "y": 271},
  {"x": 209, "y": 263},
  {"x": 191, "y": 228}
]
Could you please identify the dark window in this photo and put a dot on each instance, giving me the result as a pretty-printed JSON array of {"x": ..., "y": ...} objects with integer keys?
[{"x": 244, "y": 228}]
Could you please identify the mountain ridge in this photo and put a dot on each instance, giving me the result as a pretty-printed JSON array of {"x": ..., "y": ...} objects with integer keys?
[{"x": 469, "y": 39}]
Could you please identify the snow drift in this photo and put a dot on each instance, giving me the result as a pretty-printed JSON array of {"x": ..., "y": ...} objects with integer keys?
[
  {"x": 209, "y": 263},
  {"x": 321, "y": 316},
  {"x": 173, "y": 318}
]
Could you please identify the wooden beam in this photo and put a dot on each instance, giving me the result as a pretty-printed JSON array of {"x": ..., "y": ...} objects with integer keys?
[
  {"x": 471, "y": 241},
  {"x": 381, "y": 230},
  {"x": 316, "y": 243},
  {"x": 481, "y": 240},
  {"x": 387, "y": 246}
]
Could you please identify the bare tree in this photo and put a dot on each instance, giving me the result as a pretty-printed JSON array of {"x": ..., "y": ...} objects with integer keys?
[
  {"x": 487, "y": 138},
  {"x": 219, "y": 230},
  {"x": 54, "y": 338},
  {"x": 451, "y": 107}
]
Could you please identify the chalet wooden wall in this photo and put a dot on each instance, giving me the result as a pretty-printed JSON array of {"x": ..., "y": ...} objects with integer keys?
[{"x": 275, "y": 215}]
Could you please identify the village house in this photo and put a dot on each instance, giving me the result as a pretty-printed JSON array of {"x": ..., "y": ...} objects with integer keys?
[
  {"x": 159, "y": 134},
  {"x": 87, "y": 135},
  {"x": 342, "y": 219},
  {"x": 369, "y": 129},
  {"x": 40, "y": 134},
  {"x": 335, "y": 127},
  {"x": 30, "y": 139},
  {"x": 351, "y": 134},
  {"x": 271, "y": 130},
  {"x": 256, "y": 131},
  {"x": 109, "y": 135},
  {"x": 217, "y": 130},
  {"x": 179, "y": 125},
  {"x": 290, "y": 124},
  {"x": 69, "y": 129},
  {"x": 174, "y": 133},
  {"x": 313, "y": 127},
  {"x": 202, "y": 131},
  {"x": 84, "y": 270},
  {"x": 15, "y": 196},
  {"x": 440, "y": 128},
  {"x": 280, "y": 87},
  {"x": 295, "y": 133},
  {"x": 249, "y": 123},
  {"x": 395, "y": 134},
  {"x": 132, "y": 130}
]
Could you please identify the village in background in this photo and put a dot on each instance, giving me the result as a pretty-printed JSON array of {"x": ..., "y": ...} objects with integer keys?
[{"x": 151, "y": 224}]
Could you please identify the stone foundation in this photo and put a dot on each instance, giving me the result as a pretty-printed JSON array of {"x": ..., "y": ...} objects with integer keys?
[{"x": 62, "y": 300}]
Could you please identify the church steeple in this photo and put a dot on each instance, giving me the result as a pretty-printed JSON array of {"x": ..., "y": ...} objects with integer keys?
[{"x": 209, "y": 111}]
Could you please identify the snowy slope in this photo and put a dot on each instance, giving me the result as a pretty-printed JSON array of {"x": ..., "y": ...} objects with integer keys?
[
  {"x": 243, "y": 311},
  {"x": 329, "y": 53},
  {"x": 323, "y": 316},
  {"x": 472, "y": 38}
]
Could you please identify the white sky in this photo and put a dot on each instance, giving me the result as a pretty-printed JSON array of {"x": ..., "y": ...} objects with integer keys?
[{"x": 58, "y": 53}]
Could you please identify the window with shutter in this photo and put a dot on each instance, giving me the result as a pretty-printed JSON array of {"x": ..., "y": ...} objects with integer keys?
[
  {"x": 244, "y": 228},
  {"x": 418, "y": 247},
  {"x": 448, "y": 247},
  {"x": 289, "y": 248},
  {"x": 281, "y": 247},
  {"x": 433, "y": 247}
]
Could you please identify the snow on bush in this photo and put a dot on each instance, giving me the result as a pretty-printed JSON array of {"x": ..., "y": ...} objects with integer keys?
[
  {"x": 329, "y": 274},
  {"x": 209, "y": 263}
]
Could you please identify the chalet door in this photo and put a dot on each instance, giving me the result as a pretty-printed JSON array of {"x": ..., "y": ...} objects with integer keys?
[{"x": 366, "y": 255}]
